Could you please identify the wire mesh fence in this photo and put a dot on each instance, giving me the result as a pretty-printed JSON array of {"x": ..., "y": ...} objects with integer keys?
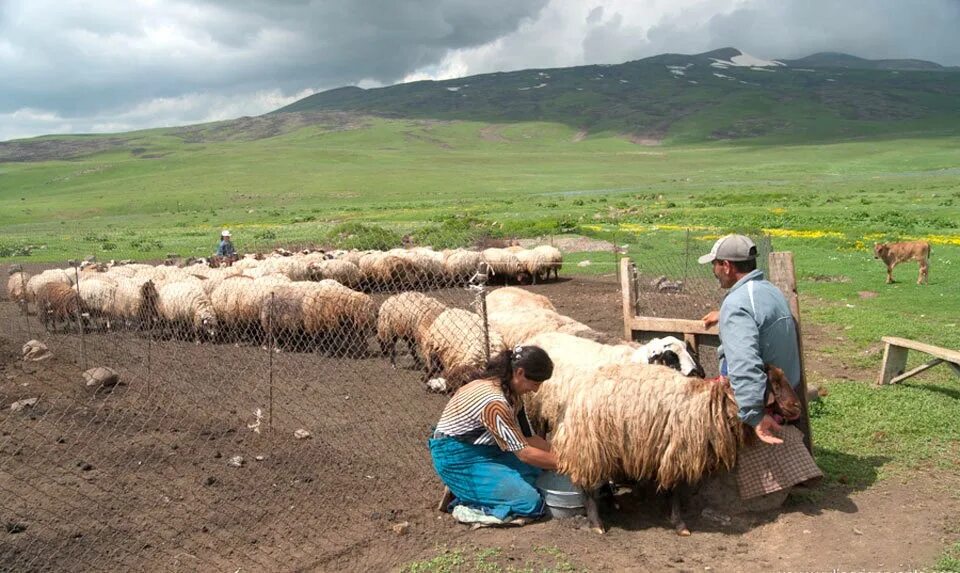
[{"x": 266, "y": 413}]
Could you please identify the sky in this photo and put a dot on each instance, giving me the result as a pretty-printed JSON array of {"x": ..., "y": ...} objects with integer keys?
[{"x": 96, "y": 66}]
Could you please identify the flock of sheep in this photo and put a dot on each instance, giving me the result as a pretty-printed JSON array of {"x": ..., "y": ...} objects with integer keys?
[
  {"x": 293, "y": 296},
  {"x": 617, "y": 410}
]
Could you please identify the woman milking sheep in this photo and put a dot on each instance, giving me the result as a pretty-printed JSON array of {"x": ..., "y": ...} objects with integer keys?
[{"x": 483, "y": 449}]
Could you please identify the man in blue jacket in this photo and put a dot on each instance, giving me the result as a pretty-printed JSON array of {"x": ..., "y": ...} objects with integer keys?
[
  {"x": 225, "y": 248},
  {"x": 756, "y": 328}
]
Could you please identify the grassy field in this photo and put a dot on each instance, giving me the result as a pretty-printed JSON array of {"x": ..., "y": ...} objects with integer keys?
[{"x": 368, "y": 183}]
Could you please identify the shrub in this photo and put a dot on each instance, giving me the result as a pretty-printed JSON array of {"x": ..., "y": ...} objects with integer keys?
[{"x": 361, "y": 236}]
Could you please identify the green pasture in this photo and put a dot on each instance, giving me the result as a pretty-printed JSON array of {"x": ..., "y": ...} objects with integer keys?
[{"x": 448, "y": 184}]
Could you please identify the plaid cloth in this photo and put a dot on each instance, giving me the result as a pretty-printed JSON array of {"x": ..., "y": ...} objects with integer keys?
[{"x": 766, "y": 468}]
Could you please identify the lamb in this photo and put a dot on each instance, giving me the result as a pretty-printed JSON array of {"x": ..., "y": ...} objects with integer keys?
[
  {"x": 185, "y": 307},
  {"x": 406, "y": 316},
  {"x": 58, "y": 302},
  {"x": 512, "y": 298},
  {"x": 454, "y": 347},
  {"x": 646, "y": 422},
  {"x": 553, "y": 259},
  {"x": 17, "y": 289}
]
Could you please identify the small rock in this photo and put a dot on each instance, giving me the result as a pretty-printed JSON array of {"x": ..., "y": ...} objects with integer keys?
[
  {"x": 35, "y": 351},
  {"x": 302, "y": 434},
  {"x": 857, "y": 531},
  {"x": 86, "y": 466},
  {"x": 401, "y": 528},
  {"x": 259, "y": 458},
  {"x": 586, "y": 263},
  {"x": 806, "y": 531},
  {"x": 235, "y": 461},
  {"x": 22, "y": 404},
  {"x": 813, "y": 394},
  {"x": 210, "y": 480},
  {"x": 101, "y": 377},
  {"x": 14, "y": 527}
]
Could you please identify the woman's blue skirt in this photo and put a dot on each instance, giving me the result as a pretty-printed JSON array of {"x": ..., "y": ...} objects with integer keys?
[{"x": 487, "y": 478}]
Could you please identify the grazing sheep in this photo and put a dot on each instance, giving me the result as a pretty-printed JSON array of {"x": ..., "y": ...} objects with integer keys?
[
  {"x": 512, "y": 298},
  {"x": 36, "y": 282},
  {"x": 406, "y": 316},
  {"x": 17, "y": 289},
  {"x": 186, "y": 308},
  {"x": 338, "y": 318},
  {"x": 294, "y": 268},
  {"x": 502, "y": 263},
  {"x": 553, "y": 260},
  {"x": 134, "y": 302},
  {"x": 227, "y": 300},
  {"x": 58, "y": 302},
  {"x": 460, "y": 266},
  {"x": 454, "y": 347},
  {"x": 533, "y": 265},
  {"x": 281, "y": 312},
  {"x": 97, "y": 294},
  {"x": 646, "y": 422},
  {"x": 385, "y": 271},
  {"x": 342, "y": 271},
  {"x": 519, "y": 325}
]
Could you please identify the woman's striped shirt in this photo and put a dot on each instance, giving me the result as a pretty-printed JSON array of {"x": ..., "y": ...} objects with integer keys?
[{"x": 481, "y": 414}]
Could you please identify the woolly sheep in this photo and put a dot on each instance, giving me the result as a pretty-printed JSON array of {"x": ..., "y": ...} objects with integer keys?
[
  {"x": 406, "y": 316},
  {"x": 46, "y": 277},
  {"x": 97, "y": 294},
  {"x": 184, "y": 306},
  {"x": 577, "y": 359},
  {"x": 512, "y": 298},
  {"x": 340, "y": 270},
  {"x": 460, "y": 265},
  {"x": 338, "y": 317},
  {"x": 502, "y": 263},
  {"x": 57, "y": 302},
  {"x": 384, "y": 271},
  {"x": 17, "y": 289},
  {"x": 295, "y": 268},
  {"x": 134, "y": 302},
  {"x": 517, "y": 326},
  {"x": 646, "y": 422},
  {"x": 454, "y": 347},
  {"x": 553, "y": 259},
  {"x": 533, "y": 265}
]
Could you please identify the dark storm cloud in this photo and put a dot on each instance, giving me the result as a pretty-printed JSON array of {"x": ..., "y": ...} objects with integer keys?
[{"x": 73, "y": 57}]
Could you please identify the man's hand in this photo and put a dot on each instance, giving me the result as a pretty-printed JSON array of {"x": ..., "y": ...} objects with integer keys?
[
  {"x": 765, "y": 429},
  {"x": 711, "y": 318}
]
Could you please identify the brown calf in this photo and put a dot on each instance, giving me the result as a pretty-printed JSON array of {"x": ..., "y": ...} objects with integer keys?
[{"x": 895, "y": 253}]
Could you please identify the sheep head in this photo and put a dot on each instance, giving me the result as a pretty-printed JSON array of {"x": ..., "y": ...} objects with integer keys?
[{"x": 672, "y": 352}]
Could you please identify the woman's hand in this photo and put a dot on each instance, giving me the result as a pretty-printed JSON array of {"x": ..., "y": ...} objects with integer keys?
[{"x": 536, "y": 457}]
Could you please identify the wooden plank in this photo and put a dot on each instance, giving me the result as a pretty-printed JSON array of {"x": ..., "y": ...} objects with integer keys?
[
  {"x": 783, "y": 274},
  {"x": 655, "y": 324},
  {"x": 917, "y": 370},
  {"x": 939, "y": 352},
  {"x": 628, "y": 288},
  {"x": 894, "y": 362}
]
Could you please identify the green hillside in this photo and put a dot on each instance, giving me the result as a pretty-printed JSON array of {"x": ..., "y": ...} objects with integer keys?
[{"x": 682, "y": 99}]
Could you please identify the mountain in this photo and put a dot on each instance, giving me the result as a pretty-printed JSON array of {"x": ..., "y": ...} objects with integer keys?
[
  {"x": 838, "y": 60},
  {"x": 722, "y": 94}
]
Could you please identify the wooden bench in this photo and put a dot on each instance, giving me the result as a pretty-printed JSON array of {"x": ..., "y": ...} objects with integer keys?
[{"x": 895, "y": 359}]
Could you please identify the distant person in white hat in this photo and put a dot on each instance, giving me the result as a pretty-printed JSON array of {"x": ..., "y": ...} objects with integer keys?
[
  {"x": 756, "y": 328},
  {"x": 225, "y": 249}
]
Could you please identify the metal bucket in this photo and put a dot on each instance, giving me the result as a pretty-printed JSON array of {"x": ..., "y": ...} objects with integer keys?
[{"x": 562, "y": 498}]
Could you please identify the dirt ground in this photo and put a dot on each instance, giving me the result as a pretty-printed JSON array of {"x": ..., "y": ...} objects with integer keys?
[{"x": 144, "y": 477}]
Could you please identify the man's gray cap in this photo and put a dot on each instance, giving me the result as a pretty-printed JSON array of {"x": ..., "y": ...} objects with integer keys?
[{"x": 730, "y": 248}]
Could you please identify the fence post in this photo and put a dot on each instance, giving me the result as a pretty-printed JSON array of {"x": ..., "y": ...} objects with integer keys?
[
  {"x": 629, "y": 290},
  {"x": 83, "y": 347},
  {"x": 783, "y": 275},
  {"x": 272, "y": 350}
]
